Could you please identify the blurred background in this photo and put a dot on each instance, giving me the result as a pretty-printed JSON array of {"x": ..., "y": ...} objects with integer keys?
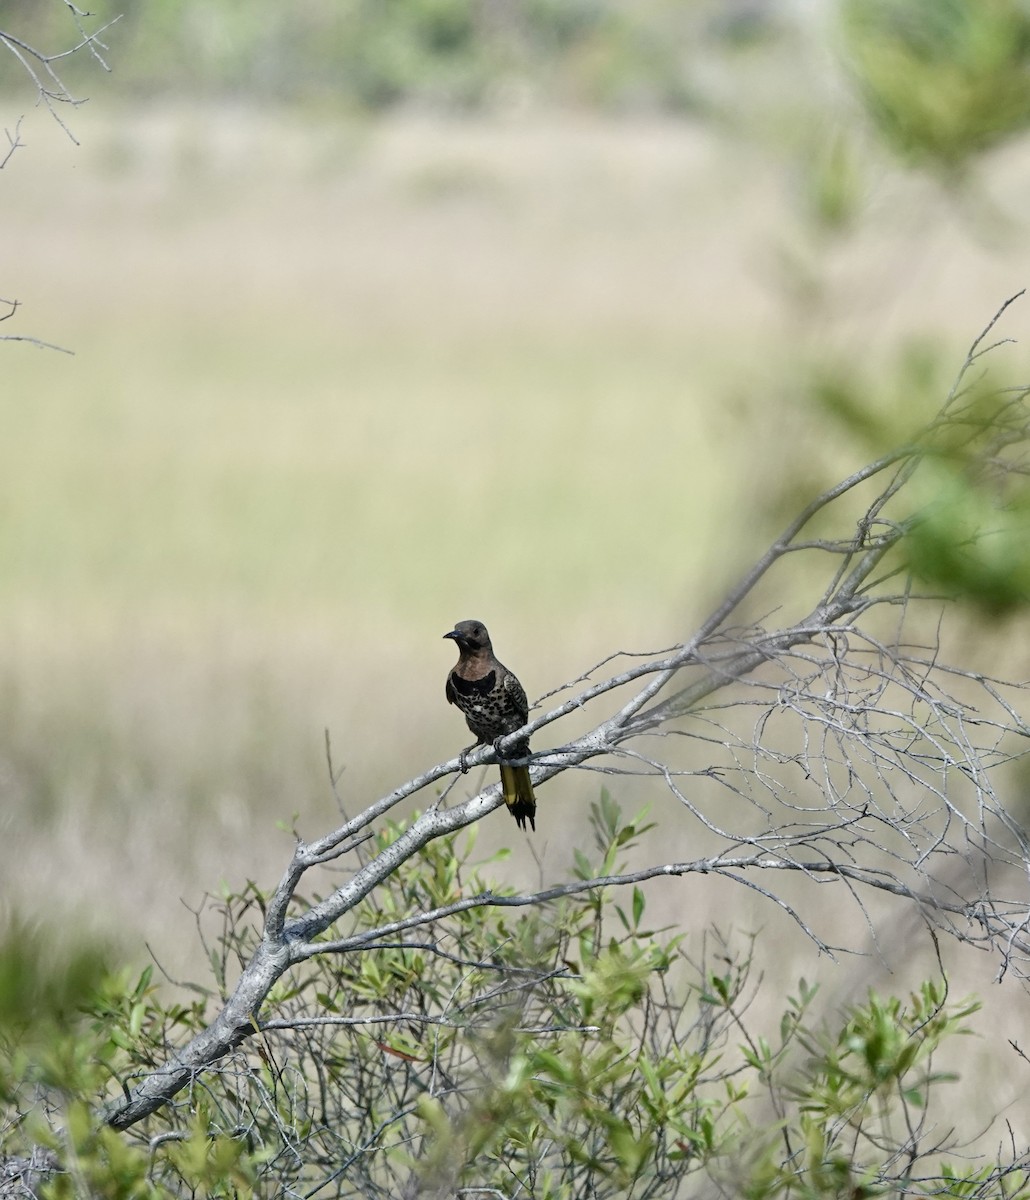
[{"x": 383, "y": 316}]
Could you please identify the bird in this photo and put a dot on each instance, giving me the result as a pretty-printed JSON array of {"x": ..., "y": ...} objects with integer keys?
[{"x": 494, "y": 703}]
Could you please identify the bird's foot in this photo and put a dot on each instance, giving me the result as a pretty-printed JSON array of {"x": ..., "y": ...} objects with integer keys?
[{"x": 463, "y": 762}]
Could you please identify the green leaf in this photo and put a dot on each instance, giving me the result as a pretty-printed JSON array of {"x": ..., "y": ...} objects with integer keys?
[{"x": 638, "y": 905}]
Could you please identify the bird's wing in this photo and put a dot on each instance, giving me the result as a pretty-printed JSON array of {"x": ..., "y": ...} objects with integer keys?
[
  {"x": 516, "y": 695},
  {"x": 449, "y": 692}
]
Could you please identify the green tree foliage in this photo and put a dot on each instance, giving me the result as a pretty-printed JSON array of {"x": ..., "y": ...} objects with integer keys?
[
  {"x": 944, "y": 80},
  {"x": 940, "y": 83},
  {"x": 968, "y": 537}
]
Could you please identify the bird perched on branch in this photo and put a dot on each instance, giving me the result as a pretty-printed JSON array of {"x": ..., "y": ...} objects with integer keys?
[{"x": 494, "y": 703}]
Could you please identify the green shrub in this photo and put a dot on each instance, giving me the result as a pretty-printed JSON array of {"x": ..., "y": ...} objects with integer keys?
[{"x": 572, "y": 1051}]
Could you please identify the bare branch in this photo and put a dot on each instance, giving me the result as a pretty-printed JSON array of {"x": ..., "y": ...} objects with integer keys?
[
  {"x": 838, "y": 748},
  {"x": 13, "y": 306},
  {"x": 51, "y": 91}
]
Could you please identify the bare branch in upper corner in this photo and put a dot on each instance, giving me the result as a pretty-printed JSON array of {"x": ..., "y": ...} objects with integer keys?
[{"x": 42, "y": 68}]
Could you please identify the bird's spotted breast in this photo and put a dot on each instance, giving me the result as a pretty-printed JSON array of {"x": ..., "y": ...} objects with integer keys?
[{"x": 488, "y": 709}]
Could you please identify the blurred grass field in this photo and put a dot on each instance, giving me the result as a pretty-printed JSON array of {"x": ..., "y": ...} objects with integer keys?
[{"x": 338, "y": 384}]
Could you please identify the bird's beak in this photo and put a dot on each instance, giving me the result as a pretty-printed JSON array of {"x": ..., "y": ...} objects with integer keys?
[{"x": 453, "y": 634}]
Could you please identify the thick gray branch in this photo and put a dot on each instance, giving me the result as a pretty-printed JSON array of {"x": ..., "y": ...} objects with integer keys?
[{"x": 872, "y": 706}]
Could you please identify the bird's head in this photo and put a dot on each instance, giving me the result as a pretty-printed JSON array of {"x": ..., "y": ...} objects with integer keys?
[{"x": 471, "y": 636}]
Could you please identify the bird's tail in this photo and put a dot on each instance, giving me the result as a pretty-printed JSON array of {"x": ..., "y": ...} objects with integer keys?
[{"x": 518, "y": 795}]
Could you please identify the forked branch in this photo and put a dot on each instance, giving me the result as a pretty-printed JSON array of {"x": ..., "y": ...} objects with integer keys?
[
  {"x": 43, "y": 69},
  {"x": 837, "y": 746}
]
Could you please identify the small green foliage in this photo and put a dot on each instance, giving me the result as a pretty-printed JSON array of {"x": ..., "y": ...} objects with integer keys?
[
  {"x": 211, "y": 1163},
  {"x": 832, "y": 183},
  {"x": 967, "y": 528},
  {"x": 967, "y": 544},
  {"x": 40, "y": 978},
  {"x": 480, "y": 1052},
  {"x": 613, "y": 984},
  {"x": 943, "y": 80},
  {"x": 880, "y": 411}
]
